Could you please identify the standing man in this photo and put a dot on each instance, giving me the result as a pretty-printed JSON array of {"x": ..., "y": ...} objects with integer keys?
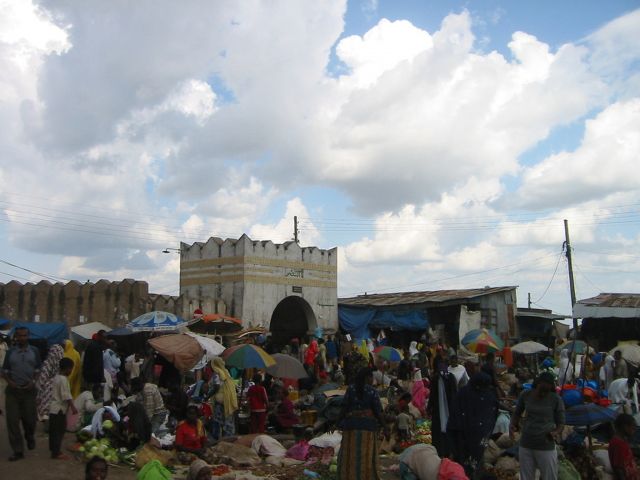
[
  {"x": 20, "y": 368},
  {"x": 620, "y": 367},
  {"x": 93, "y": 362}
]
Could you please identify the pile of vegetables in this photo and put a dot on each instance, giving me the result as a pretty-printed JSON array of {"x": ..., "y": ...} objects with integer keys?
[
  {"x": 102, "y": 448},
  {"x": 423, "y": 432}
]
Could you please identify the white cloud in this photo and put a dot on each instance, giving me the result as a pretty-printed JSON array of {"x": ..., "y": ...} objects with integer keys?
[
  {"x": 604, "y": 163},
  {"x": 282, "y": 231}
]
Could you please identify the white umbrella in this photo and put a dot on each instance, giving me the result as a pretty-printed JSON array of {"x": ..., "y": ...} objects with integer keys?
[
  {"x": 529, "y": 348},
  {"x": 630, "y": 352},
  {"x": 209, "y": 345}
]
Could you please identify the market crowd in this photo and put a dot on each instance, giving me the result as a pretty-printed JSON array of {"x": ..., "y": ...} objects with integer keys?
[{"x": 442, "y": 409}]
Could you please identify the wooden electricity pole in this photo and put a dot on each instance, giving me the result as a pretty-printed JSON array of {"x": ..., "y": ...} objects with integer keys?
[{"x": 295, "y": 229}]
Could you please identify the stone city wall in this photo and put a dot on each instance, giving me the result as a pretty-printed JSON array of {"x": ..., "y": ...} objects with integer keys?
[{"x": 112, "y": 303}]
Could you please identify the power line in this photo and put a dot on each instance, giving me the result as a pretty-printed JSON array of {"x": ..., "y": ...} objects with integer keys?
[
  {"x": 44, "y": 275},
  {"x": 456, "y": 276},
  {"x": 16, "y": 276},
  {"x": 555, "y": 270}
]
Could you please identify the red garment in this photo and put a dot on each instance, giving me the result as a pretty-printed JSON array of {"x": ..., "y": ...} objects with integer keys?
[
  {"x": 507, "y": 356},
  {"x": 190, "y": 436},
  {"x": 621, "y": 457},
  {"x": 258, "y": 422},
  {"x": 311, "y": 353},
  {"x": 258, "y": 400}
]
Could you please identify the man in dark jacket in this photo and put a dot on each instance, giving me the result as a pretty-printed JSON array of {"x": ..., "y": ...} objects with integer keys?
[{"x": 93, "y": 363}]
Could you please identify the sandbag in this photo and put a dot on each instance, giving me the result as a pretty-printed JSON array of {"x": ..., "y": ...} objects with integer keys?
[
  {"x": 233, "y": 454},
  {"x": 149, "y": 453},
  {"x": 492, "y": 453},
  {"x": 602, "y": 458},
  {"x": 508, "y": 464},
  {"x": 505, "y": 441},
  {"x": 566, "y": 470}
]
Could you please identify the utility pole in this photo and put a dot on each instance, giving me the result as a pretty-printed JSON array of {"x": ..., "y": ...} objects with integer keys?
[
  {"x": 295, "y": 229},
  {"x": 572, "y": 284},
  {"x": 529, "y": 299},
  {"x": 572, "y": 287}
]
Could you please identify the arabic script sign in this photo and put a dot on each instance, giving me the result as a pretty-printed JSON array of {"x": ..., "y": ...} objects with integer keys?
[{"x": 293, "y": 272}]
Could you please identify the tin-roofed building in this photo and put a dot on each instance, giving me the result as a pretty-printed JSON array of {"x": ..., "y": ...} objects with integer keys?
[
  {"x": 608, "y": 318},
  {"x": 449, "y": 313}
]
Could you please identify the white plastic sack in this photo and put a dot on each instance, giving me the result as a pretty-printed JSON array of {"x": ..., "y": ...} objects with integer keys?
[{"x": 331, "y": 439}]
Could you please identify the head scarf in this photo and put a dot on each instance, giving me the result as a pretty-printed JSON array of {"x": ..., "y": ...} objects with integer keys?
[
  {"x": 195, "y": 468},
  {"x": 419, "y": 396},
  {"x": 75, "y": 379},
  {"x": 227, "y": 385},
  {"x": 364, "y": 350},
  {"x": 311, "y": 353},
  {"x": 44, "y": 381},
  {"x": 413, "y": 348}
]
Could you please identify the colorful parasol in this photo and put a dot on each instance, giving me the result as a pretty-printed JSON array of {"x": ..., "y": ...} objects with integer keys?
[
  {"x": 389, "y": 354},
  {"x": 482, "y": 340},
  {"x": 247, "y": 356}
]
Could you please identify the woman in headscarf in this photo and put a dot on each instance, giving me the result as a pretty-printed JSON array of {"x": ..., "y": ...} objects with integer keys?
[
  {"x": 606, "y": 372},
  {"x": 419, "y": 396},
  {"x": 49, "y": 370},
  {"x": 413, "y": 349},
  {"x": 360, "y": 419},
  {"x": 443, "y": 392},
  {"x": 310, "y": 354},
  {"x": 472, "y": 421},
  {"x": 565, "y": 368},
  {"x": 225, "y": 401},
  {"x": 75, "y": 378}
]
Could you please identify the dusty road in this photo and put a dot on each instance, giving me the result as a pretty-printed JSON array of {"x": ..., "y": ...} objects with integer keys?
[{"x": 38, "y": 463}]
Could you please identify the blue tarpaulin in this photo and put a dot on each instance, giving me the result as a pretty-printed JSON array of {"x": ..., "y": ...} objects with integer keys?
[
  {"x": 51, "y": 332},
  {"x": 358, "y": 321}
]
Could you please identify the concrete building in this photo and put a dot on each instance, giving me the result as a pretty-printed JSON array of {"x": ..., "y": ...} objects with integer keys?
[
  {"x": 112, "y": 303},
  {"x": 285, "y": 288}
]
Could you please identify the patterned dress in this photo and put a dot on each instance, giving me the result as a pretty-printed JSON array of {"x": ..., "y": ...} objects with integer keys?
[
  {"x": 358, "y": 456},
  {"x": 44, "y": 380}
]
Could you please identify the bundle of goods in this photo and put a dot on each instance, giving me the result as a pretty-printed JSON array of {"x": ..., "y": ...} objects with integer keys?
[{"x": 423, "y": 432}]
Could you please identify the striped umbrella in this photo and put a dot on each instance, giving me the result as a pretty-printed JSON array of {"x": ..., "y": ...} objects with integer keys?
[
  {"x": 389, "y": 354},
  {"x": 247, "y": 356},
  {"x": 482, "y": 340}
]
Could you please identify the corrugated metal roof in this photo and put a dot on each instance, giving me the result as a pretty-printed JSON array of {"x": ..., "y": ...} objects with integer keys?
[
  {"x": 540, "y": 313},
  {"x": 411, "y": 298},
  {"x": 617, "y": 300}
]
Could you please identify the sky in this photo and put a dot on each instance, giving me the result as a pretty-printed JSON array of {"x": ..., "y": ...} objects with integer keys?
[{"x": 437, "y": 144}]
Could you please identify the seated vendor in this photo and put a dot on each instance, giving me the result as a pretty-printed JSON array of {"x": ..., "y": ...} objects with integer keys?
[
  {"x": 285, "y": 414},
  {"x": 190, "y": 434}
]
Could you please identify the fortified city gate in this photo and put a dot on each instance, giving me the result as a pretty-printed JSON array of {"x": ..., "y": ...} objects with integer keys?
[{"x": 288, "y": 289}]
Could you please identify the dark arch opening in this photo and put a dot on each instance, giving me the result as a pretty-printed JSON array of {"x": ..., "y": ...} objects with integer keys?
[{"x": 292, "y": 317}]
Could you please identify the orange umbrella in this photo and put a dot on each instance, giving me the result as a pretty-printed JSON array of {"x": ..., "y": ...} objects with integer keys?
[{"x": 216, "y": 323}]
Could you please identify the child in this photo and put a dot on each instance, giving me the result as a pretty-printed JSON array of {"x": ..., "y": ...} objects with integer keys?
[
  {"x": 61, "y": 401},
  {"x": 620, "y": 455},
  {"x": 404, "y": 420},
  {"x": 259, "y": 403}
]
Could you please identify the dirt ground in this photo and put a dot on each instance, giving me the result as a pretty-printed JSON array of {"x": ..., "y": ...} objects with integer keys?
[{"x": 38, "y": 464}]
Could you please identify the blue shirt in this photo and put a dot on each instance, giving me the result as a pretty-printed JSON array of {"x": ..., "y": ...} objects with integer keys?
[{"x": 21, "y": 364}]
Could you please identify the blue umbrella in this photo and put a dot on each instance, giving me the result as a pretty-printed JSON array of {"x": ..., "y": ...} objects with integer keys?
[
  {"x": 157, "y": 322},
  {"x": 588, "y": 414}
]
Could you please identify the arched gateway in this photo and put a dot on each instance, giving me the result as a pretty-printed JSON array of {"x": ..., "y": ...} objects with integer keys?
[
  {"x": 293, "y": 317},
  {"x": 285, "y": 288}
]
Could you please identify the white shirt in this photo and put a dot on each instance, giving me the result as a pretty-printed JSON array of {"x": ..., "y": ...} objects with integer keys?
[
  {"x": 462, "y": 377},
  {"x": 60, "y": 394}
]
